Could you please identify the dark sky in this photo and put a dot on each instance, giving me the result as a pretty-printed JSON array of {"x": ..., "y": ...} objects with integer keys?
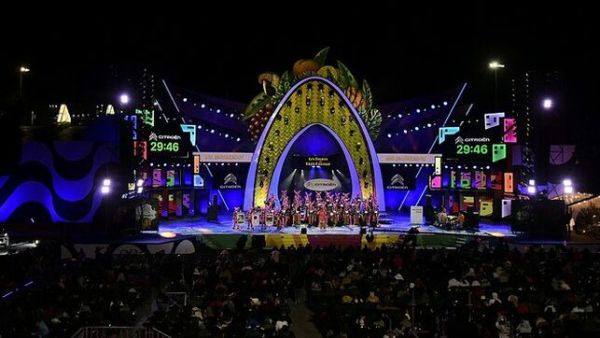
[
  {"x": 219, "y": 49},
  {"x": 403, "y": 50}
]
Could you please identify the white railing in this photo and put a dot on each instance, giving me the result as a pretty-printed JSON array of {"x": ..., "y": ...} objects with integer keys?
[{"x": 118, "y": 331}]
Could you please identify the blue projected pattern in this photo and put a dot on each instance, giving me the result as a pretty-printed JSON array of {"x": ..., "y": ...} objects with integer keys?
[
  {"x": 69, "y": 190},
  {"x": 56, "y": 182}
]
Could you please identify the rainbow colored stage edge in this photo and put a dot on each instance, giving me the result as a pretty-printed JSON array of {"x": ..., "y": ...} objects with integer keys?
[{"x": 312, "y": 129}]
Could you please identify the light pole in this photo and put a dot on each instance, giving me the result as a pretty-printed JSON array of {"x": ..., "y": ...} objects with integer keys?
[
  {"x": 495, "y": 65},
  {"x": 22, "y": 71}
]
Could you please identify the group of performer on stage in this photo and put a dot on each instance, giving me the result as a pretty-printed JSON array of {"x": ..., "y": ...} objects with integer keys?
[{"x": 316, "y": 209}]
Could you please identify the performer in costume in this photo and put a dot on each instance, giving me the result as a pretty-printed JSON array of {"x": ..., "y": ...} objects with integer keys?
[
  {"x": 236, "y": 225},
  {"x": 262, "y": 217},
  {"x": 250, "y": 215},
  {"x": 322, "y": 217}
]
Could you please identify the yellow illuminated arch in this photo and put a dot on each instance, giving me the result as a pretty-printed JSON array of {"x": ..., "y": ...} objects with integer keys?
[{"x": 312, "y": 101}]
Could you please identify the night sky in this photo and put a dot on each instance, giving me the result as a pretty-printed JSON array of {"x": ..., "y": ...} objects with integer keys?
[{"x": 404, "y": 51}]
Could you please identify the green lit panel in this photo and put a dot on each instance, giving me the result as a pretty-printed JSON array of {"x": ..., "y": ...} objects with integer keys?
[{"x": 498, "y": 152}]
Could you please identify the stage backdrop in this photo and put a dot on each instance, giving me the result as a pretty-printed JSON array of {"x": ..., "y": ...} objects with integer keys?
[{"x": 315, "y": 163}]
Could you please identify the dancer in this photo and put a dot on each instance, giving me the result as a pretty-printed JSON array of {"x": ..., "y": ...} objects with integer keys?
[
  {"x": 250, "y": 216},
  {"x": 236, "y": 212},
  {"x": 322, "y": 217}
]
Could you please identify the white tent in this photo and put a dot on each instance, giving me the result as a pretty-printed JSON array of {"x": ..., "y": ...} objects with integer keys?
[
  {"x": 63, "y": 114},
  {"x": 110, "y": 110}
]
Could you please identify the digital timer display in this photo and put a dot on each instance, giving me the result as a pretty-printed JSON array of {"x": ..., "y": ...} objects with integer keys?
[
  {"x": 164, "y": 146},
  {"x": 467, "y": 149}
]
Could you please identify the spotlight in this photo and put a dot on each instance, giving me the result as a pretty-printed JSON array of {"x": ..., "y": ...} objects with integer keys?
[
  {"x": 547, "y": 103},
  {"x": 140, "y": 182},
  {"x": 389, "y": 135},
  {"x": 531, "y": 189},
  {"x": 106, "y": 182},
  {"x": 124, "y": 98},
  {"x": 105, "y": 189}
]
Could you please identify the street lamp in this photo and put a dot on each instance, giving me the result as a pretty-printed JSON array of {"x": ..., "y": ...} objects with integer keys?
[
  {"x": 22, "y": 70},
  {"x": 495, "y": 65}
]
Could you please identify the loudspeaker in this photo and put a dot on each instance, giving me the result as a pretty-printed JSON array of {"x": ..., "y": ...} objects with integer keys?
[
  {"x": 363, "y": 230},
  {"x": 211, "y": 214},
  {"x": 428, "y": 210},
  {"x": 471, "y": 219},
  {"x": 303, "y": 230}
]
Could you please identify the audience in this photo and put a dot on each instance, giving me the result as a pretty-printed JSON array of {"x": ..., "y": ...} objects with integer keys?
[{"x": 474, "y": 291}]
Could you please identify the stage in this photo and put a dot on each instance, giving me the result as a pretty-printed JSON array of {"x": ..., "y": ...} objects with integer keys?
[{"x": 399, "y": 224}]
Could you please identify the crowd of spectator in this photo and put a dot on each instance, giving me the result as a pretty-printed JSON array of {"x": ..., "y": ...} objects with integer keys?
[
  {"x": 47, "y": 296},
  {"x": 229, "y": 294},
  {"x": 473, "y": 291}
]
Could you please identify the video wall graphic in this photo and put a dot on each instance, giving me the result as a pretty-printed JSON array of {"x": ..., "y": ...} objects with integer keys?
[
  {"x": 56, "y": 182},
  {"x": 478, "y": 141},
  {"x": 471, "y": 180}
]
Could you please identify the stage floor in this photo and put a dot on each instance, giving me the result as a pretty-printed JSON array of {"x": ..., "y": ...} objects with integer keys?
[{"x": 399, "y": 224}]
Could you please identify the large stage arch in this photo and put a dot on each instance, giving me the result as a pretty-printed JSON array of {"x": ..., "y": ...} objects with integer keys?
[{"x": 313, "y": 100}]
